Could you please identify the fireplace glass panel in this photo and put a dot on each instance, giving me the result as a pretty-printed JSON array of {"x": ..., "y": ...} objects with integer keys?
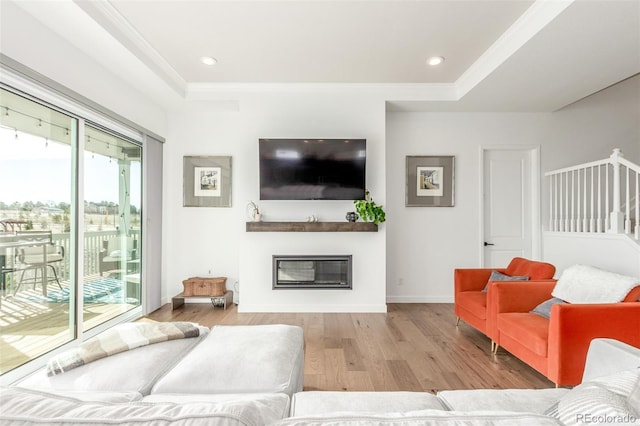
[{"x": 317, "y": 272}]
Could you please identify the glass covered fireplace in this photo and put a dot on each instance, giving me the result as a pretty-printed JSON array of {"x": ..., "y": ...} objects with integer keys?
[{"x": 317, "y": 272}]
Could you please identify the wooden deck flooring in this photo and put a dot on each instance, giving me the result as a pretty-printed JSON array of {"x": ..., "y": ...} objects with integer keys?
[
  {"x": 29, "y": 329},
  {"x": 413, "y": 347}
]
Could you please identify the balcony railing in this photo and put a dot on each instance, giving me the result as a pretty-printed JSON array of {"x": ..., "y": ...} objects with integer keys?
[
  {"x": 92, "y": 246},
  {"x": 601, "y": 196}
]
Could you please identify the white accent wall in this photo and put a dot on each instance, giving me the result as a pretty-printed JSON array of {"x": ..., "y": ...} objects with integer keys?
[{"x": 200, "y": 240}]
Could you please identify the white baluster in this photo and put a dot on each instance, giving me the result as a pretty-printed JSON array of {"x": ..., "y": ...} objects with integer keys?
[
  {"x": 551, "y": 225},
  {"x": 562, "y": 228},
  {"x": 556, "y": 225},
  {"x": 573, "y": 198},
  {"x": 567, "y": 217},
  {"x": 627, "y": 210},
  {"x": 606, "y": 198},
  {"x": 578, "y": 203},
  {"x": 599, "y": 223},
  {"x": 617, "y": 218},
  {"x": 637, "y": 206},
  {"x": 592, "y": 223},
  {"x": 585, "y": 210}
]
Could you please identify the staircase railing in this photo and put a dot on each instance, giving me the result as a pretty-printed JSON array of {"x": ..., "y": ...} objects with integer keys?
[{"x": 600, "y": 196}]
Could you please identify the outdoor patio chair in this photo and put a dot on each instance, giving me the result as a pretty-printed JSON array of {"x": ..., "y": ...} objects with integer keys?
[
  {"x": 32, "y": 258},
  {"x": 112, "y": 255}
]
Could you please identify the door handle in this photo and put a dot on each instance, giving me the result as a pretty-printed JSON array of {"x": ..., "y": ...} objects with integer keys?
[{"x": 488, "y": 244}]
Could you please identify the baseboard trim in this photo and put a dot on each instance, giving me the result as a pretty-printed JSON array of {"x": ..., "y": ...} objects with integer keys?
[
  {"x": 419, "y": 299},
  {"x": 332, "y": 308},
  {"x": 295, "y": 308}
]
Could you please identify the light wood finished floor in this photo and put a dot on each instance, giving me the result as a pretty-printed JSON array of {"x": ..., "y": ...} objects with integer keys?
[{"x": 413, "y": 347}]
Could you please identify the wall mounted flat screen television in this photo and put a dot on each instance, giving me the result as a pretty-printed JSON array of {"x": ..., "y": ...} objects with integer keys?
[{"x": 312, "y": 169}]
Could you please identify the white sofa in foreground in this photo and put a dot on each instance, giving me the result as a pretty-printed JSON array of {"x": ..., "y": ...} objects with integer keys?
[
  {"x": 229, "y": 375},
  {"x": 609, "y": 394},
  {"x": 252, "y": 375}
]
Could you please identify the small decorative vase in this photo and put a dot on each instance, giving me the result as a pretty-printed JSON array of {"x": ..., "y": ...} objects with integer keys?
[{"x": 351, "y": 216}]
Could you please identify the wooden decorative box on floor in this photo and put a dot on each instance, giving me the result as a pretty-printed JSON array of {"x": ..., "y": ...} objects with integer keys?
[
  {"x": 204, "y": 287},
  {"x": 222, "y": 301},
  {"x": 214, "y": 288}
]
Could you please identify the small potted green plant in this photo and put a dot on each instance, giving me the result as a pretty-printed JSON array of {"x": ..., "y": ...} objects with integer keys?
[{"x": 368, "y": 210}]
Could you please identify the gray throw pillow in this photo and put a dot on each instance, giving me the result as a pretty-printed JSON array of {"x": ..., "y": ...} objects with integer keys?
[
  {"x": 499, "y": 276},
  {"x": 544, "y": 309}
]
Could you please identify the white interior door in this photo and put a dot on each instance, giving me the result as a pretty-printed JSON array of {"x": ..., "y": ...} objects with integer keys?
[{"x": 508, "y": 205}]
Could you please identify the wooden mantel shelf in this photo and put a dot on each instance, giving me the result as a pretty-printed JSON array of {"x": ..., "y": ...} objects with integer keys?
[{"x": 311, "y": 227}]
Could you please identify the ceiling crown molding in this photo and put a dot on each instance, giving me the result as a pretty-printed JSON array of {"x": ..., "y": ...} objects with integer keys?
[
  {"x": 401, "y": 91},
  {"x": 538, "y": 16},
  {"x": 103, "y": 12}
]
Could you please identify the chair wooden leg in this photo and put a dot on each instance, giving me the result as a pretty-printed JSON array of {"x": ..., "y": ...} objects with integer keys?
[
  {"x": 492, "y": 345},
  {"x": 457, "y": 321},
  {"x": 495, "y": 348}
]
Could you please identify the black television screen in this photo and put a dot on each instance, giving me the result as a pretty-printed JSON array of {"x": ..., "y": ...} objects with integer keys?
[{"x": 312, "y": 169}]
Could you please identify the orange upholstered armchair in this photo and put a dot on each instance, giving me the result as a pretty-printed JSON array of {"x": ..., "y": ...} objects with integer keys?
[
  {"x": 557, "y": 346},
  {"x": 474, "y": 306}
]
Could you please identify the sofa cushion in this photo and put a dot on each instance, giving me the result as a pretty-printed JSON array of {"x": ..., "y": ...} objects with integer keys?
[
  {"x": 314, "y": 403},
  {"x": 135, "y": 370},
  {"x": 98, "y": 396},
  {"x": 240, "y": 359},
  {"x": 621, "y": 382},
  {"x": 533, "y": 269},
  {"x": 179, "y": 398},
  {"x": 474, "y": 302},
  {"x": 423, "y": 418},
  {"x": 499, "y": 276},
  {"x": 517, "y": 400},
  {"x": 25, "y": 406},
  {"x": 517, "y": 325}
]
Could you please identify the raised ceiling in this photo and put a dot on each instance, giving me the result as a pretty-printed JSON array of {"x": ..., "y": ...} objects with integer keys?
[
  {"x": 321, "y": 41},
  {"x": 507, "y": 55}
]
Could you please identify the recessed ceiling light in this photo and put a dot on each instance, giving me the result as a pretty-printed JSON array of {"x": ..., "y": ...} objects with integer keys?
[
  {"x": 208, "y": 60},
  {"x": 435, "y": 60}
]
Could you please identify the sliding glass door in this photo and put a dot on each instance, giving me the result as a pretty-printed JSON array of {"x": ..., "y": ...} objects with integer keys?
[
  {"x": 70, "y": 227},
  {"x": 36, "y": 181},
  {"x": 112, "y": 200}
]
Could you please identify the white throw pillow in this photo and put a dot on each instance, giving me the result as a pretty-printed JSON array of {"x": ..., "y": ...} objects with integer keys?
[
  {"x": 605, "y": 400},
  {"x": 586, "y": 284}
]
